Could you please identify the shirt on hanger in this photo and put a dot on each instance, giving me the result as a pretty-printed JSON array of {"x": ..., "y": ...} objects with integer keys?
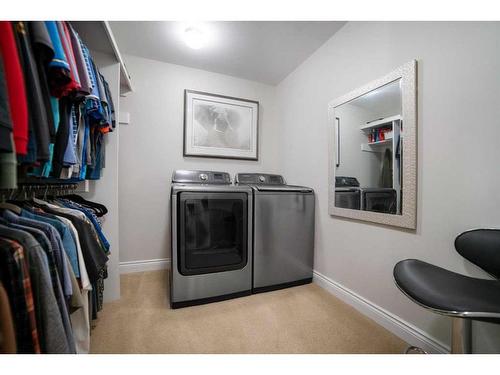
[
  {"x": 15, "y": 87},
  {"x": 68, "y": 242},
  {"x": 15, "y": 275},
  {"x": 49, "y": 320}
]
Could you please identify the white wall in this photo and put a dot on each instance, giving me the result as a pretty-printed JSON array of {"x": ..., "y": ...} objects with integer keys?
[
  {"x": 458, "y": 153},
  {"x": 151, "y": 147}
]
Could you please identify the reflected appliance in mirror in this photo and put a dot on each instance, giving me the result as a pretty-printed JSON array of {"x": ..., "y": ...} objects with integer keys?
[{"x": 376, "y": 180}]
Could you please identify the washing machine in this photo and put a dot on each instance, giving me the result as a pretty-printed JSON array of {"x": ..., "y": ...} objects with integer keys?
[
  {"x": 347, "y": 193},
  {"x": 283, "y": 231},
  {"x": 383, "y": 200},
  {"x": 211, "y": 238}
]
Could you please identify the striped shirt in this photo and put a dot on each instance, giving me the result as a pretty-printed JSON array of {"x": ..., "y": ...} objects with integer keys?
[{"x": 21, "y": 296}]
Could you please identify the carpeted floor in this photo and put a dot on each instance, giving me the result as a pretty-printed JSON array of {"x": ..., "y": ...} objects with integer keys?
[{"x": 304, "y": 319}]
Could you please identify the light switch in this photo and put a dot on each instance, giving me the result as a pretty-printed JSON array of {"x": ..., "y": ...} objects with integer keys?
[{"x": 124, "y": 118}]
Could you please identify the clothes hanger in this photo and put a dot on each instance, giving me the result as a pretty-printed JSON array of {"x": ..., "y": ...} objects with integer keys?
[
  {"x": 41, "y": 202},
  {"x": 18, "y": 198},
  {"x": 97, "y": 210},
  {"x": 29, "y": 194},
  {"x": 59, "y": 194},
  {"x": 93, "y": 205},
  {"x": 10, "y": 206},
  {"x": 25, "y": 198}
]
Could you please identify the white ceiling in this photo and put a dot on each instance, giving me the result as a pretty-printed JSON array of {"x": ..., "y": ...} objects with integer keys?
[{"x": 263, "y": 51}]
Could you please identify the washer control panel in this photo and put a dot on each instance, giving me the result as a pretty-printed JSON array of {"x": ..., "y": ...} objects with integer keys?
[{"x": 259, "y": 178}]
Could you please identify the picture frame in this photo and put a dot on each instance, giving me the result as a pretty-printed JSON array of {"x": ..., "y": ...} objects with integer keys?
[{"x": 219, "y": 126}]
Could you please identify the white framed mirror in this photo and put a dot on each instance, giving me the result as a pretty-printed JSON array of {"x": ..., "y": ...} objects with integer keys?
[{"x": 373, "y": 151}]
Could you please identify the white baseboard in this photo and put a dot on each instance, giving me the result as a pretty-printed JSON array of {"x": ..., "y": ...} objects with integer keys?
[
  {"x": 144, "y": 265},
  {"x": 404, "y": 330}
]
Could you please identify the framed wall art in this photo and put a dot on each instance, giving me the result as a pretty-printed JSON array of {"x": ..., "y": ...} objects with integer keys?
[{"x": 218, "y": 126}]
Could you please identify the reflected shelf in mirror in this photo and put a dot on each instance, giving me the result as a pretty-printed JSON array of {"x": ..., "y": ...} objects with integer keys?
[
  {"x": 380, "y": 123},
  {"x": 375, "y": 146}
]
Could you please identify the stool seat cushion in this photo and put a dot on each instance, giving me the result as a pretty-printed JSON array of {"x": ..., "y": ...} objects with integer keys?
[{"x": 448, "y": 292}]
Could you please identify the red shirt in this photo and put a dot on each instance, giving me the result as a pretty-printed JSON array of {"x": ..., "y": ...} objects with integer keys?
[{"x": 15, "y": 87}]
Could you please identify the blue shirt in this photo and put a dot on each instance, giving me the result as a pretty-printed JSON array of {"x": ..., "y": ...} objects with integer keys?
[
  {"x": 68, "y": 242},
  {"x": 90, "y": 215},
  {"x": 70, "y": 154},
  {"x": 59, "y": 60}
]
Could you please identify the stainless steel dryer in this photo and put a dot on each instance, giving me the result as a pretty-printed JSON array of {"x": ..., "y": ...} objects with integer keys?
[
  {"x": 283, "y": 232},
  {"x": 211, "y": 231}
]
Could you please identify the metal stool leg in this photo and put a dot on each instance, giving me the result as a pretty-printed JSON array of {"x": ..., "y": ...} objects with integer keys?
[
  {"x": 415, "y": 350},
  {"x": 461, "y": 336}
]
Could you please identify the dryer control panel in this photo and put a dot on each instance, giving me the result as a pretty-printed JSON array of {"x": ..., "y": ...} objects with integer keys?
[{"x": 201, "y": 177}]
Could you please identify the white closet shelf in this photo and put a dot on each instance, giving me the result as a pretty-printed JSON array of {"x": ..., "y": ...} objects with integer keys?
[
  {"x": 380, "y": 123},
  {"x": 374, "y": 145},
  {"x": 99, "y": 37}
]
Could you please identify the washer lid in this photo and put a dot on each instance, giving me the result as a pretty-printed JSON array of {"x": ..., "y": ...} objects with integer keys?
[{"x": 284, "y": 188}]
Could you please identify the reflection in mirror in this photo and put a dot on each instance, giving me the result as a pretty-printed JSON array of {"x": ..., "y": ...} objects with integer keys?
[{"x": 369, "y": 153}]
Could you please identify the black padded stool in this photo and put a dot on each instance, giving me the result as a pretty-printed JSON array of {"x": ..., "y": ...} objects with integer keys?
[{"x": 461, "y": 297}]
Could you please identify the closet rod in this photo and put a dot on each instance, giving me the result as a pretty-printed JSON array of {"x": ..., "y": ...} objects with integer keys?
[{"x": 32, "y": 190}]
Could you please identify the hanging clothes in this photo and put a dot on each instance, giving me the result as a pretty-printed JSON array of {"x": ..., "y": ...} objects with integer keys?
[
  {"x": 54, "y": 102},
  {"x": 8, "y": 338},
  {"x": 5, "y": 118},
  {"x": 37, "y": 114},
  {"x": 15, "y": 276},
  {"x": 386, "y": 172},
  {"x": 74, "y": 82},
  {"x": 62, "y": 136},
  {"x": 53, "y": 258},
  {"x": 44, "y": 53},
  {"x": 85, "y": 83},
  {"x": 15, "y": 87},
  {"x": 8, "y": 161},
  {"x": 56, "y": 110},
  {"x": 58, "y": 73}
]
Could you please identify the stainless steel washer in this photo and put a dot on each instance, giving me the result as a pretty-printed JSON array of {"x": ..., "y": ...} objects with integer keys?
[
  {"x": 211, "y": 227},
  {"x": 283, "y": 232}
]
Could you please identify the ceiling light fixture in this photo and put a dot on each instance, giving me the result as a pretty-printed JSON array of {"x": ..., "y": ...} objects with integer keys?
[{"x": 195, "y": 38}]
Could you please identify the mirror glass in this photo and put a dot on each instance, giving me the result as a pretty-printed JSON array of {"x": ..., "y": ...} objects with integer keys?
[{"x": 369, "y": 151}]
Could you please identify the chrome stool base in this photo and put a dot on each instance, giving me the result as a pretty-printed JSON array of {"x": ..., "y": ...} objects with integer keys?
[
  {"x": 461, "y": 336},
  {"x": 415, "y": 350}
]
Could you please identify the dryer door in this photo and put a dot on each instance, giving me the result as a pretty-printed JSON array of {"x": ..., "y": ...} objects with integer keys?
[{"x": 212, "y": 232}]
